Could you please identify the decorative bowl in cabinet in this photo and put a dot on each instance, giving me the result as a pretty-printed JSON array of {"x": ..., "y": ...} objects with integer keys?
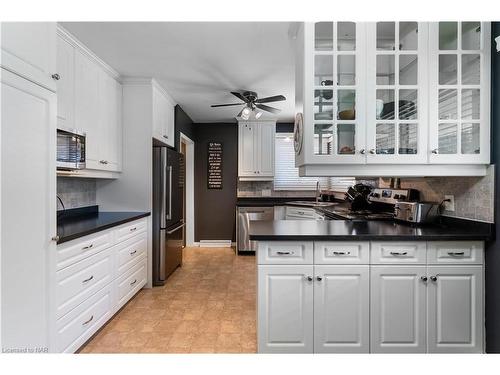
[{"x": 348, "y": 114}]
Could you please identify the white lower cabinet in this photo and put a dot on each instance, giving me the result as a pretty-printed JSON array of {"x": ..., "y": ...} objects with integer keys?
[
  {"x": 341, "y": 309},
  {"x": 398, "y": 309},
  {"x": 382, "y": 302},
  {"x": 285, "y": 309},
  {"x": 455, "y": 309}
]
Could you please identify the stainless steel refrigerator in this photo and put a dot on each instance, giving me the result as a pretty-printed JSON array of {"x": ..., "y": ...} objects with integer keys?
[{"x": 168, "y": 221}]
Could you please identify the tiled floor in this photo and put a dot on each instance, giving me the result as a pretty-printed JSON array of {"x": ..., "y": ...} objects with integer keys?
[{"x": 207, "y": 306}]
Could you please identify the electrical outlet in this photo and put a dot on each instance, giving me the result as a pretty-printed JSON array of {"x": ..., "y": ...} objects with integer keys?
[{"x": 449, "y": 206}]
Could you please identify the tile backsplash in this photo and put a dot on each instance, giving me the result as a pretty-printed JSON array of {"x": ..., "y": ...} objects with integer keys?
[
  {"x": 255, "y": 189},
  {"x": 76, "y": 192}
]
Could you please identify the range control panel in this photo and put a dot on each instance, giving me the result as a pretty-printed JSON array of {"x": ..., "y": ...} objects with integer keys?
[{"x": 392, "y": 196}]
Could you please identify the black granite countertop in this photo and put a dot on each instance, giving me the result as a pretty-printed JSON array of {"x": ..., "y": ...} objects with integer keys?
[
  {"x": 340, "y": 230},
  {"x": 76, "y": 223},
  {"x": 268, "y": 201}
]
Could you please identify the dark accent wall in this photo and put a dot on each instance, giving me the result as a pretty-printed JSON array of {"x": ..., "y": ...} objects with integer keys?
[
  {"x": 215, "y": 210},
  {"x": 183, "y": 124},
  {"x": 493, "y": 247}
]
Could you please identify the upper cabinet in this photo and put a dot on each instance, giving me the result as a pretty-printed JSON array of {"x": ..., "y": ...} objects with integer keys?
[
  {"x": 256, "y": 142},
  {"x": 393, "y": 98},
  {"x": 29, "y": 50},
  {"x": 163, "y": 116},
  {"x": 89, "y": 99}
]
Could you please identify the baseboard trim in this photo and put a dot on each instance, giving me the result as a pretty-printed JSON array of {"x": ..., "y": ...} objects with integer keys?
[{"x": 215, "y": 243}]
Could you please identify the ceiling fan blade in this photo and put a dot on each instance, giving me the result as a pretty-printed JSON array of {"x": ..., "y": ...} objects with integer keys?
[
  {"x": 239, "y": 96},
  {"x": 269, "y": 99},
  {"x": 267, "y": 108},
  {"x": 225, "y": 105}
]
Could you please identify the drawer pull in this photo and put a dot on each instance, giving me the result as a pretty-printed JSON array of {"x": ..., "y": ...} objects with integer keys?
[
  {"x": 284, "y": 252},
  {"x": 133, "y": 252},
  {"x": 87, "y": 280},
  {"x": 308, "y": 278},
  {"x": 341, "y": 253},
  {"x": 133, "y": 282},
  {"x": 396, "y": 253},
  {"x": 133, "y": 229},
  {"x": 88, "y": 247},
  {"x": 88, "y": 321},
  {"x": 456, "y": 253}
]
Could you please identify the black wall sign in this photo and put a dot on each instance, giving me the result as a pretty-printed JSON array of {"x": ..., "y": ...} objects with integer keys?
[{"x": 214, "y": 177}]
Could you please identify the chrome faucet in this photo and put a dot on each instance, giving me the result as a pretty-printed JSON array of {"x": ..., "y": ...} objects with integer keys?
[{"x": 318, "y": 191}]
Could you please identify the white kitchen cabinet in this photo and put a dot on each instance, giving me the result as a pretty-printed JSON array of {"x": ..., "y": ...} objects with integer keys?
[
  {"x": 398, "y": 309},
  {"x": 163, "y": 116},
  {"x": 285, "y": 309},
  {"x": 459, "y": 92},
  {"x": 28, "y": 155},
  {"x": 341, "y": 309},
  {"x": 29, "y": 50},
  {"x": 65, "y": 84},
  {"x": 256, "y": 144},
  {"x": 455, "y": 309}
]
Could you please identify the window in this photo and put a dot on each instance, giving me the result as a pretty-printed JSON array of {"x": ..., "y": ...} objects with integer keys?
[{"x": 286, "y": 176}]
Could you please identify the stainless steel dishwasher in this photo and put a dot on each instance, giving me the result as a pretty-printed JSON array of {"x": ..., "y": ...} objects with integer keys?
[{"x": 245, "y": 215}]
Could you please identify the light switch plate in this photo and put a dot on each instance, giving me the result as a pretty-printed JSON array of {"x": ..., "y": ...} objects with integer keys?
[
  {"x": 449, "y": 206},
  {"x": 266, "y": 192}
]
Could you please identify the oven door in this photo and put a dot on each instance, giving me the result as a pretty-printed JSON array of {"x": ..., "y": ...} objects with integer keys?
[{"x": 70, "y": 150}]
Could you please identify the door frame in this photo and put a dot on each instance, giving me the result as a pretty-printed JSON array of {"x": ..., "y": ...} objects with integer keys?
[{"x": 189, "y": 190}]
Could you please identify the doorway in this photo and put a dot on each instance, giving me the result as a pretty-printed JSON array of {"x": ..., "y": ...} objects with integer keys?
[{"x": 187, "y": 150}]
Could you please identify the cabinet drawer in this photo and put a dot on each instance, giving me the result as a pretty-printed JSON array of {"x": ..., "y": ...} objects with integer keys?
[
  {"x": 129, "y": 252},
  {"x": 285, "y": 252},
  {"x": 398, "y": 252},
  {"x": 300, "y": 213},
  {"x": 73, "y": 251},
  {"x": 80, "y": 324},
  {"x": 130, "y": 230},
  {"x": 341, "y": 252},
  {"x": 130, "y": 283},
  {"x": 451, "y": 252},
  {"x": 76, "y": 283}
]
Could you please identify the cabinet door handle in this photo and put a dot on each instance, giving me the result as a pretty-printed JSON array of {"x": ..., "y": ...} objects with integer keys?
[
  {"x": 309, "y": 278},
  {"x": 396, "y": 253},
  {"x": 362, "y": 151},
  {"x": 456, "y": 253},
  {"x": 133, "y": 229},
  {"x": 319, "y": 278},
  {"x": 56, "y": 77},
  {"x": 165, "y": 136},
  {"x": 435, "y": 151},
  {"x": 87, "y": 280},
  {"x": 56, "y": 238},
  {"x": 88, "y": 247},
  {"x": 133, "y": 252},
  {"x": 372, "y": 151},
  {"x": 423, "y": 278},
  {"x": 88, "y": 321},
  {"x": 103, "y": 161},
  {"x": 284, "y": 252},
  {"x": 434, "y": 278},
  {"x": 341, "y": 253},
  {"x": 133, "y": 282}
]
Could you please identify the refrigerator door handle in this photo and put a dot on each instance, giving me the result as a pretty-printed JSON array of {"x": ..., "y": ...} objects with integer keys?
[
  {"x": 169, "y": 216},
  {"x": 175, "y": 229},
  {"x": 163, "y": 218}
]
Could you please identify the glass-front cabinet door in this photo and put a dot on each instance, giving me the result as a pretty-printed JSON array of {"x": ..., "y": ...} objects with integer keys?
[
  {"x": 337, "y": 93},
  {"x": 459, "y": 92},
  {"x": 396, "y": 92}
]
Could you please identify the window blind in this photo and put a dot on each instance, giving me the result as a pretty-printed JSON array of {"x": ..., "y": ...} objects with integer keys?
[{"x": 286, "y": 176}]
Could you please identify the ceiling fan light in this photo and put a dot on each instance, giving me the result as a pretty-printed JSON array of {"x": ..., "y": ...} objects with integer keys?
[
  {"x": 245, "y": 113},
  {"x": 258, "y": 114}
]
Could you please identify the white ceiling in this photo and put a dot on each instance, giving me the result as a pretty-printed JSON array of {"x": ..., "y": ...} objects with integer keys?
[{"x": 198, "y": 63}]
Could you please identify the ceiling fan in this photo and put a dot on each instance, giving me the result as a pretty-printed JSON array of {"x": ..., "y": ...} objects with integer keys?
[{"x": 252, "y": 104}]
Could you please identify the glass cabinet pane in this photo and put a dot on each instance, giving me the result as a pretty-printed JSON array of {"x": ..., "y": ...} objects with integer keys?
[
  {"x": 385, "y": 139},
  {"x": 470, "y": 138},
  {"x": 448, "y": 104},
  {"x": 346, "y": 70},
  {"x": 408, "y": 104},
  {"x": 345, "y": 104},
  {"x": 346, "y": 36},
  {"x": 385, "y": 70},
  {"x": 408, "y": 69},
  {"x": 448, "y": 35},
  {"x": 471, "y": 35},
  {"x": 323, "y": 104},
  {"x": 385, "y": 105},
  {"x": 408, "y": 36},
  {"x": 408, "y": 138},
  {"x": 323, "y": 36},
  {"x": 447, "y": 69},
  {"x": 323, "y": 139},
  {"x": 447, "y": 138},
  {"x": 470, "y": 104},
  {"x": 323, "y": 70},
  {"x": 345, "y": 139},
  {"x": 470, "y": 69},
  {"x": 386, "y": 36}
]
